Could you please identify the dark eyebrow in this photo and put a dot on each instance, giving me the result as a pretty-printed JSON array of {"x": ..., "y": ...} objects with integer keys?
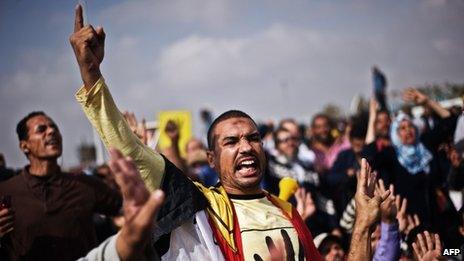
[
  {"x": 230, "y": 138},
  {"x": 40, "y": 126},
  {"x": 254, "y": 135}
]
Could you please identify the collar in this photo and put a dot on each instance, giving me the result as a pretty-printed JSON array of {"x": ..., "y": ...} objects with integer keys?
[
  {"x": 247, "y": 197},
  {"x": 33, "y": 181}
]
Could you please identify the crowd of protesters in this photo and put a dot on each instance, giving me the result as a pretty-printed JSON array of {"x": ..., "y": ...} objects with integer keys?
[
  {"x": 48, "y": 214},
  {"x": 419, "y": 159}
]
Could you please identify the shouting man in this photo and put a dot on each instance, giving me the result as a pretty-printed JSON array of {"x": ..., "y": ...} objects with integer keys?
[
  {"x": 50, "y": 213},
  {"x": 235, "y": 220}
]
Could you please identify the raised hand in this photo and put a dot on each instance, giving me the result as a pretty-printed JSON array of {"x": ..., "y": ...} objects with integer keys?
[
  {"x": 388, "y": 209},
  {"x": 401, "y": 216},
  {"x": 413, "y": 221},
  {"x": 138, "y": 128},
  {"x": 139, "y": 207},
  {"x": 419, "y": 98},
  {"x": 427, "y": 247},
  {"x": 367, "y": 212},
  {"x": 304, "y": 203},
  {"x": 172, "y": 130},
  {"x": 173, "y": 152},
  {"x": 415, "y": 96},
  {"x": 406, "y": 222},
  {"x": 89, "y": 48},
  {"x": 367, "y": 201}
]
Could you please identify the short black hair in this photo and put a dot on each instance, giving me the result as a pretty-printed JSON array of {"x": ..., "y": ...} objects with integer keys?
[
  {"x": 383, "y": 111},
  {"x": 21, "y": 127},
  {"x": 264, "y": 130},
  {"x": 225, "y": 116},
  {"x": 358, "y": 132},
  {"x": 358, "y": 128},
  {"x": 321, "y": 116}
]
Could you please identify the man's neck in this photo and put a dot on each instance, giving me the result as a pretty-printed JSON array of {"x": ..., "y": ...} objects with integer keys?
[
  {"x": 43, "y": 168},
  {"x": 236, "y": 191}
]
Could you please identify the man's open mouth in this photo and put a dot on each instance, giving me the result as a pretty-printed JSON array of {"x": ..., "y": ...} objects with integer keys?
[
  {"x": 52, "y": 142},
  {"x": 247, "y": 166}
]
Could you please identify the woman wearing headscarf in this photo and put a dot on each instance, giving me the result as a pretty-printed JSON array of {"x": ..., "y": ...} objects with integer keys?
[
  {"x": 412, "y": 162},
  {"x": 412, "y": 167}
]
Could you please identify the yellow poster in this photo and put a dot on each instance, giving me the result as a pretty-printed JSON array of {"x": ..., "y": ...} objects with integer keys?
[{"x": 183, "y": 121}]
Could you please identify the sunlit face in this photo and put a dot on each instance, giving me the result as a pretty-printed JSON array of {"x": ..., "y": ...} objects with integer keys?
[
  {"x": 407, "y": 132},
  {"x": 321, "y": 129},
  {"x": 238, "y": 155},
  {"x": 382, "y": 125},
  {"x": 44, "y": 139},
  {"x": 287, "y": 144},
  {"x": 336, "y": 253}
]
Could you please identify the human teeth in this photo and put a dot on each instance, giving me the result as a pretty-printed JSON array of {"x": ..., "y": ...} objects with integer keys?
[{"x": 248, "y": 162}]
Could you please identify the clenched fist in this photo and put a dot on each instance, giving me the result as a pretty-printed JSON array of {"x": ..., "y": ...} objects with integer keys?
[{"x": 89, "y": 47}]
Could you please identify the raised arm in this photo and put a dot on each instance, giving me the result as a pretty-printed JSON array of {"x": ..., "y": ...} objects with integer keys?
[
  {"x": 89, "y": 47},
  {"x": 367, "y": 213},
  {"x": 370, "y": 135},
  {"x": 413, "y": 95},
  {"x": 96, "y": 101},
  {"x": 172, "y": 153}
]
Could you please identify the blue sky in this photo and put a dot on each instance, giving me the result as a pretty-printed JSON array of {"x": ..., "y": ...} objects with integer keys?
[{"x": 271, "y": 58}]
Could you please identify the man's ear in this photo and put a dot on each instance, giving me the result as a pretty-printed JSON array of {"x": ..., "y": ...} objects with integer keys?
[
  {"x": 23, "y": 146},
  {"x": 210, "y": 157}
]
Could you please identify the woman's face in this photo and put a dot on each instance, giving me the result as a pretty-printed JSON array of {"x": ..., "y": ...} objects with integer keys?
[
  {"x": 407, "y": 132},
  {"x": 287, "y": 144}
]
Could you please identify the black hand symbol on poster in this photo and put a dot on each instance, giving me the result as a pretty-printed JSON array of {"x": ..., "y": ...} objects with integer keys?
[{"x": 278, "y": 253}]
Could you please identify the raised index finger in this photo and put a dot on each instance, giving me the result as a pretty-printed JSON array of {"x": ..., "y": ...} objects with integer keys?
[{"x": 79, "y": 20}]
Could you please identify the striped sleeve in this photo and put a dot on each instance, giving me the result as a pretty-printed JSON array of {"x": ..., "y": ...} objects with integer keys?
[{"x": 347, "y": 220}]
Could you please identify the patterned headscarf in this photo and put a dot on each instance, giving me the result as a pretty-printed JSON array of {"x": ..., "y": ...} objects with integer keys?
[{"x": 414, "y": 158}]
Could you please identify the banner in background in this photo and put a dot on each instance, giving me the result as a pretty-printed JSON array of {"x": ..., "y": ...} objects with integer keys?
[{"x": 183, "y": 119}]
